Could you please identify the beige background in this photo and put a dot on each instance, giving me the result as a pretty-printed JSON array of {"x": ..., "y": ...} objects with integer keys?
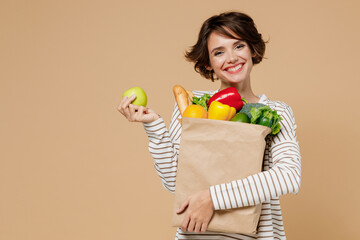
[{"x": 71, "y": 167}]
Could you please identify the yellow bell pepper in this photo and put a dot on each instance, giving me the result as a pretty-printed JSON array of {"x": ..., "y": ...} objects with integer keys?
[{"x": 220, "y": 111}]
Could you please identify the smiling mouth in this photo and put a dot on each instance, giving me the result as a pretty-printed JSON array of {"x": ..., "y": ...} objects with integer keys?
[{"x": 235, "y": 69}]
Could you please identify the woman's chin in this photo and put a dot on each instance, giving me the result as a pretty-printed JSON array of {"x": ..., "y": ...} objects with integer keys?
[{"x": 233, "y": 81}]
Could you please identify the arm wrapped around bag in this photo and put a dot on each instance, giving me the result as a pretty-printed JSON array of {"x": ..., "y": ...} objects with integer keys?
[{"x": 213, "y": 152}]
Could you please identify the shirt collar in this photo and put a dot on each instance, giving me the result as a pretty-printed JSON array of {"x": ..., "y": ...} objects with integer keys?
[{"x": 263, "y": 98}]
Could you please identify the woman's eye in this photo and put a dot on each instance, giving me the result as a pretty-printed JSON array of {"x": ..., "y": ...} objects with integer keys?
[
  {"x": 217, "y": 53},
  {"x": 239, "y": 46}
]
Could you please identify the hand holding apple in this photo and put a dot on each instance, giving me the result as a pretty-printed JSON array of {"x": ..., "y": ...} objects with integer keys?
[
  {"x": 141, "y": 98},
  {"x": 133, "y": 106}
]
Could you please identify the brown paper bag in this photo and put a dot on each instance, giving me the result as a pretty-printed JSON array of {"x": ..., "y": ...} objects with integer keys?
[{"x": 214, "y": 152}]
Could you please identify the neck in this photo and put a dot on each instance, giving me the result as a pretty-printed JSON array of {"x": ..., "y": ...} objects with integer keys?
[{"x": 244, "y": 89}]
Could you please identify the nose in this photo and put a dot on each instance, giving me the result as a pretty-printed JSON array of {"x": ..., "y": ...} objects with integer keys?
[{"x": 232, "y": 57}]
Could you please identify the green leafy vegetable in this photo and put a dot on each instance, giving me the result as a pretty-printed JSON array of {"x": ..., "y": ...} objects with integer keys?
[
  {"x": 202, "y": 101},
  {"x": 247, "y": 108},
  {"x": 263, "y": 115},
  {"x": 276, "y": 129},
  {"x": 266, "y": 117}
]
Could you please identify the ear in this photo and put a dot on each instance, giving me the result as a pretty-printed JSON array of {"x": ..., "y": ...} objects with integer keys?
[
  {"x": 253, "y": 54},
  {"x": 208, "y": 68}
]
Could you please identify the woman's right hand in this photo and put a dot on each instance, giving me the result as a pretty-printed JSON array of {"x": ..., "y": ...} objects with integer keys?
[{"x": 135, "y": 113}]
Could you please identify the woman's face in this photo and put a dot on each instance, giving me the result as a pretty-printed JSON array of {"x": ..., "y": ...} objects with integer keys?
[{"x": 231, "y": 59}]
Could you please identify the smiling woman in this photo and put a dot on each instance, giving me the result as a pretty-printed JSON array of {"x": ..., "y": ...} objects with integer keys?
[
  {"x": 230, "y": 59},
  {"x": 228, "y": 46},
  {"x": 231, "y": 26}
]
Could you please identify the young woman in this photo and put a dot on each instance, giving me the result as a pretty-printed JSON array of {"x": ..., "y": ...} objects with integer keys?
[{"x": 227, "y": 48}]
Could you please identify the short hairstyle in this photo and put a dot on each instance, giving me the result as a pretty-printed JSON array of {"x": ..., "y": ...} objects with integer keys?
[{"x": 239, "y": 23}]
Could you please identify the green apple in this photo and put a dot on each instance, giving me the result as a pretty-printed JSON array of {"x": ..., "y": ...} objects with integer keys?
[{"x": 140, "y": 100}]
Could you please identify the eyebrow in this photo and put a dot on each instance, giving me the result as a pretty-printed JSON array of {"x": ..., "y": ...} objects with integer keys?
[{"x": 217, "y": 48}]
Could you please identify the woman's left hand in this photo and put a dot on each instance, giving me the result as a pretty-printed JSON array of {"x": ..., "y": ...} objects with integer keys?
[{"x": 199, "y": 211}]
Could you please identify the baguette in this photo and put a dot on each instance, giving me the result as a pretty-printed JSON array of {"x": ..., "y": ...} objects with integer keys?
[
  {"x": 190, "y": 96},
  {"x": 181, "y": 97}
]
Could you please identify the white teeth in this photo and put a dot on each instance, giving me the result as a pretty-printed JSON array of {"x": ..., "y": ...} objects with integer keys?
[{"x": 233, "y": 69}]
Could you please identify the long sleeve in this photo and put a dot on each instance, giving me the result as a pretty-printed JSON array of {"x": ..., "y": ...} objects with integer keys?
[
  {"x": 164, "y": 147},
  {"x": 282, "y": 174}
]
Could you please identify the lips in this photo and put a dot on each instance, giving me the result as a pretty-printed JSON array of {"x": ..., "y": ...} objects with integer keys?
[{"x": 234, "y": 69}]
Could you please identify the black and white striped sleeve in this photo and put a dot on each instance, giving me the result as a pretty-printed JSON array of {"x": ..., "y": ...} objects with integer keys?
[
  {"x": 164, "y": 147},
  {"x": 283, "y": 177}
]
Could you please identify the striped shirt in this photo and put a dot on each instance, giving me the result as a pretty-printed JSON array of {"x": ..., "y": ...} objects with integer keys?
[{"x": 281, "y": 173}]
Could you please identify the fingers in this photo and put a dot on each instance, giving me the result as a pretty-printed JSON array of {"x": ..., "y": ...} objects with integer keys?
[
  {"x": 138, "y": 112},
  {"x": 183, "y": 206},
  {"x": 124, "y": 104},
  {"x": 197, "y": 227},
  {"x": 199, "y": 211},
  {"x": 194, "y": 225},
  {"x": 191, "y": 225},
  {"x": 204, "y": 227},
  {"x": 185, "y": 223},
  {"x": 127, "y": 101},
  {"x": 132, "y": 112},
  {"x": 135, "y": 113}
]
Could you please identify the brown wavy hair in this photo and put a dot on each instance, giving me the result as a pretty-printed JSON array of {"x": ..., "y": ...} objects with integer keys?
[{"x": 239, "y": 23}]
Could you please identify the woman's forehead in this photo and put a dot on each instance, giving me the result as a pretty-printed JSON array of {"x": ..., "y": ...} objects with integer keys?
[{"x": 219, "y": 37}]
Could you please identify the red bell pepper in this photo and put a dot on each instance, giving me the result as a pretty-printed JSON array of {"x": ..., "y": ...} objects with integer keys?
[{"x": 229, "y": 96}]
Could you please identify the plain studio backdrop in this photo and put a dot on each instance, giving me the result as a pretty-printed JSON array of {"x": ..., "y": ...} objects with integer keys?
[{"x": 72, "y": 167}]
